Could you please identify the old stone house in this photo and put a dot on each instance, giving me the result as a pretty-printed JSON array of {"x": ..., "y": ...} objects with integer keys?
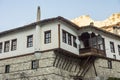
[{"x": 57, "y": 49}]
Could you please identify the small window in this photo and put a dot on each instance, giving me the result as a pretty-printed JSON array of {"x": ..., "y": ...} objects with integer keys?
[
  {"x": 109, "y": 64},
  {"x": 74, "y": 43},
  {"x": 47, "y": 37},
  {"x": 6, "y": 46},
  {"x": 112, "y": 47},
  {"x": 14, "y": 45},
  {"x": 35, "y": 64},
  {"x": 0, "y": 47},
  {"x": 119, "y": 49},
  {"x": 64, "y": 36},
  {"x": 30, "y": 41},
  {"x": 7, "y": 68},
  {"x": 69, "y": 39}
]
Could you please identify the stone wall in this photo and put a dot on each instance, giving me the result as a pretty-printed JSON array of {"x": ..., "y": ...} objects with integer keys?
[
  {"x": 20, "y": 68},
  {"x": 102, "y": 70}
]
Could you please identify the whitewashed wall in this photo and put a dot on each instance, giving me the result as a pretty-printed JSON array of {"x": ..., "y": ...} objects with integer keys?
[
  {"x": 72, "y": 31},
  {"x": 107, "y": 46},
  {"x": 21, "y": 37},
  {"x": 54, "y": 36}
]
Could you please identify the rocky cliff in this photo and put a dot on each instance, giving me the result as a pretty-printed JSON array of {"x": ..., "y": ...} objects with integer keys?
[{"x": 107, "y": 24}]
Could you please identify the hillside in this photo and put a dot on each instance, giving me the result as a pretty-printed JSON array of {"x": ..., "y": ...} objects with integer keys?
[{"x": 106, "y": 24}]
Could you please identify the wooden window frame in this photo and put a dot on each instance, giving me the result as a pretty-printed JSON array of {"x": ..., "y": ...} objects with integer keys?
[
  {"x": 112, "y": 47},
  {"x": 7, "y": 68},
  {"x": 6, "y": 46},
  {"x": 64, "y": 36},
  {"x": 74, "y": 41},
  {"x": 119, "y": 49},
  {"x": 29, "y": 41},
  {"x": 47, "y": 37},
  {"x": 69, "y": 39},
  {"x": 14, "y": 44},
  {"x": 34, "y": 64},
  {"x": 1, "y": 47},
  {"x": 109, "y": 64}
]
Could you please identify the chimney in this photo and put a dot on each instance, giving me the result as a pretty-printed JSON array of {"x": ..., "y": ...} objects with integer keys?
[
  {"x": 91, "y": 23},
  {"x": 38, "y": 14},
  {"x": 115, "y": 29}
]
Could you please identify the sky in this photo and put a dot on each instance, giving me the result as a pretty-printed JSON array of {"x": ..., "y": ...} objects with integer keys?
[{"x": 17, "y": 13}]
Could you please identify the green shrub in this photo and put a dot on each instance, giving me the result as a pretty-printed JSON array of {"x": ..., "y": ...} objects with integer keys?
[{"x": 113, "y": 78}]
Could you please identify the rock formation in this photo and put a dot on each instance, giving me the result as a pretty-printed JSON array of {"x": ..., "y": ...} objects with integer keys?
[{"x": 113, "y": 20}]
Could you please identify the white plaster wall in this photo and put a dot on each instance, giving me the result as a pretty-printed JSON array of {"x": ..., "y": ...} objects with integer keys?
[
  {"x": 21, "y": 37},
  {"x": 54, "y": 36},
  {"x": 107, "y": 46},
  {"x": 72, "y": 31}
]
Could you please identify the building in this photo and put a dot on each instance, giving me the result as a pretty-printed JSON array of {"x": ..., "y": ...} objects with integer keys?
[{"x": 57, "y": 49}]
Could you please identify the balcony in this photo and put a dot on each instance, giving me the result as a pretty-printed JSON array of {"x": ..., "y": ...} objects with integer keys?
[
  {"x": 92, "y": 51},
  {"x": 91, "y": 44}
]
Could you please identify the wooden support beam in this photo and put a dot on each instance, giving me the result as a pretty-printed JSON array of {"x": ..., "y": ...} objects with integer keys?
[
  {"x": 61, "y": 61},
  {"x": 58, "y": 60},
  {"x": 95, "y": 68},
  {"x": 54, "y": 63},
  {"x": 67, "y": 62},
  {"x": 71, "y": 66},
  {"x": 84, "y": 64},
  {"x": 63, "y": 65}
]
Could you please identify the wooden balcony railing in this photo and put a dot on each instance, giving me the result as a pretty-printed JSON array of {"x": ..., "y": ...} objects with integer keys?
[{"x": 92, "y": 51}]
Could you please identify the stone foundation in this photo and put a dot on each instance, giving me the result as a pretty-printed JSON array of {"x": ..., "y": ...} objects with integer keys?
[{"x": 20, "y": 68}]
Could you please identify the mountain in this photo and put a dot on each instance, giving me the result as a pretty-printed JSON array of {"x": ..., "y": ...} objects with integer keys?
[{"x": 107, "y": 24}]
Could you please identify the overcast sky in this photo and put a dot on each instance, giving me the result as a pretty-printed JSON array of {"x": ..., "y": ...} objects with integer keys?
[{"x": 16, "y": 13}]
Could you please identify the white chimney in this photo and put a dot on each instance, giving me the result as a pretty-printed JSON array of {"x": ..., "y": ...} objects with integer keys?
[
  {"x": 38, "y": 32},
  {"x": 38, "y": 14},
  {"x": 115, "y": 30},
  {"x": 91, "y": 23}
]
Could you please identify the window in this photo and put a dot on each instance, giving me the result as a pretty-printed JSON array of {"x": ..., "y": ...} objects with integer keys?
[
  {"x": 0, "y": 47},
  {"x": 100, "y": 42},
  {"x": 112, "y": 47},
  {"x": 93, "y": 42},
  {"x": 35, "y": 64},
  {"x": 6, "y": 46},
  {"x": 7, "y": 68},
  {"x": 97, "y": 42},
  {"x": 47, "y": 37},
  {"x": 30, "y": 41},
  {"x": 74, "y": 43},
  {"x": 119, "y": 49},
  {"x": 64, "y": 36},
  {"x": 69, "y": 39},
  {"x": 14, "y": 45},
  {"x": 109, "y": 64}
]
